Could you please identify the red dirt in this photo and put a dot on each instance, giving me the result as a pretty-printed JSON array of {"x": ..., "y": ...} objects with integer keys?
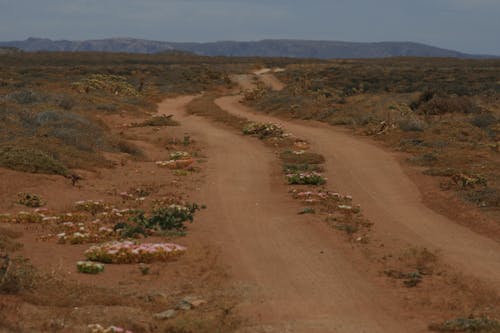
[
  {"x": 389, "y": 198},
  {"x": 296, "y": 275}
]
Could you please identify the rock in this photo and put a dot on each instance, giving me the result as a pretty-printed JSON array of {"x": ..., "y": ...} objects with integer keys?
[
  {"x": 198, "y": 303},
  {"x": 190, "y": 299},
  {"x": 189, "y": 302},
  {"x": 165, "y": 315}
]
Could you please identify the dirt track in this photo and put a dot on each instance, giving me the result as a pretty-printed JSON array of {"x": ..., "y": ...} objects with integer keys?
[
  {"x": 388, "y": 197},
  {"x": 297, "y": 276}
]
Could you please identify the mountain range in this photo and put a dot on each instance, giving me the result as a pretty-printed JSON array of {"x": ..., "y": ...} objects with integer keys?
[{"x": 264, "y": 48}]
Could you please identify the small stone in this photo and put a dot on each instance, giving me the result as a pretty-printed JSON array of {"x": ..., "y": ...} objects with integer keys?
[
  {"x": 190, "y": 299},
  {"x": 165, "y": 315},
  {"x": 198, "y": 303}
]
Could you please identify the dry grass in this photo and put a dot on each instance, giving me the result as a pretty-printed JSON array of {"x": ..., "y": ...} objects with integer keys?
[{"x": 445, "y": 113}]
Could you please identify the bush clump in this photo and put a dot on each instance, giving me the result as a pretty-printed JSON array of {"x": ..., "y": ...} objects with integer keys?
[
  {"x": 263, "y": 130},
  {"x": 16, "y": 275},
  {"x": 113, "y": 84},
  {"x": 305, "y": 178},
  {"x": 471, "y": 324},
  {"x": 29, "y": 200},
  {"x": 89, "y": 267},
  {"x": 30, "y": 160},
  {"x": 157, "y": 121},
  {"x": 172, "y": 217},
  {"x": 454, "y": 104},
  {"x": 484, "y": 120}
]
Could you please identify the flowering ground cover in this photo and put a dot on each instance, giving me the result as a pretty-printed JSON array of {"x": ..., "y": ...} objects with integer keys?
[
  {"x": 263, "y": 130},
  {"x": 96, "y": 328},
  {"x": 89, "y": 267},
  {"x": 128, "y": 252},
  {"x": 305, "y": 178},
  {"x": 96, "y": 221},
  {"x": 178, "y": 160}
]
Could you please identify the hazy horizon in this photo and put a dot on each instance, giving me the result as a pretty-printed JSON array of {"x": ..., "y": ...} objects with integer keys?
[{"x": 461, "y": 25}]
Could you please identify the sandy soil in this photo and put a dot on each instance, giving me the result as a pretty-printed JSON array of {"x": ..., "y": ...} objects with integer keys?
[
  {"x": 389, "y": 198},
  {"x": 297, "y": 275},
  {"x": 292, "y": 272}
]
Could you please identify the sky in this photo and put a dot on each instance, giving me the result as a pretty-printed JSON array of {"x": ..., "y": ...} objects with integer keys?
[{"x": 471, "y": 26}]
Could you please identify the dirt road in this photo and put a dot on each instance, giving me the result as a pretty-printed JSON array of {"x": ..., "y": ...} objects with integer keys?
[
  {"x": 297, "y": 277},
  {"x": 388, "y": 197}
]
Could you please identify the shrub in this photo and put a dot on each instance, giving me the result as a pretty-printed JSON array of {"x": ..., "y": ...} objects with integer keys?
[
  {"x": 30, "y": 160},
  {"x": 111, "y": 84},
  {"x": 129, "y": 148},
  {"x": 129, "y": 252},
  {"x": 29, "y": 200},
  {"x": 425, "y": 159},
  {"x": 440, "y": 172},
  {"x": 486, "y": 197},
  {"x": 89, "y": 267},
  {"x": 70, "y": 128},
  {"x": 16, "y": 275},
  {"x": 411, "y": 125},
  {"x": 484, "y": 120},
  {"x": 172, "y": 217},
  {"x": 301, "y": 158},
  {"x": 263, "y": 130},
  {"x": 107, "y": 107},
  {"x": 471, "y": 324},
  {"x": 7, "y": 242},
  {"x": 157, "y": 122},
  {"x": 293, "y": 168},
  {"x": 424, "y": 97},
  {"x": 66, "y": 102},
  {"x": 305, "y": 178},
  {"x": 420, "y": 259},
  {"x": 26, "y": 97},
  {"x": 442, "y": 105}
]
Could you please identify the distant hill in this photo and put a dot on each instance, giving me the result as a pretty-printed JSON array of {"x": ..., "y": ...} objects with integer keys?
[{"x": 264, "y": 48}]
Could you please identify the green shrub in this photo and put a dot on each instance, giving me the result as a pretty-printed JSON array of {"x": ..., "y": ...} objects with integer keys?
[
  {"x": 172, "y": 217},
  {"x": 89, "y": 267},
  {"x": 471, "y": 324},
  {"x": 30, "y": 160},
  {"x": 307, "y": 210},
  {"x": 306, "y": 178},
  {"x": 293, "y": 168}
]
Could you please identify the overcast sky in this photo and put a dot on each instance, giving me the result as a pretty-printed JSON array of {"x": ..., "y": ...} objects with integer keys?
[{"x": 466, "y": 25}]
